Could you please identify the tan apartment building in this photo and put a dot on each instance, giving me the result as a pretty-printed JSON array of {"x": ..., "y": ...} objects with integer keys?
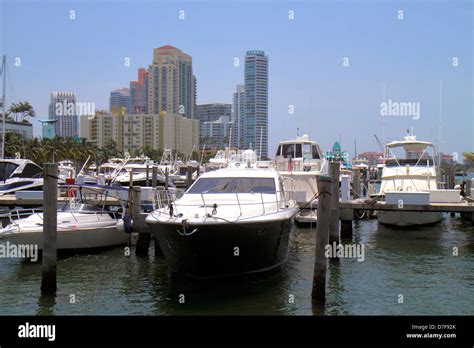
[
  {"x": 132, "y": 132},
  {"x": 171, "y": 83}
]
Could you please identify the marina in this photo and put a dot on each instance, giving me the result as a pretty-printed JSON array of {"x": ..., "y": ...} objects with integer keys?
[
  {"x": 199, "y": 173},
  {"x": 191, "y": 232}
]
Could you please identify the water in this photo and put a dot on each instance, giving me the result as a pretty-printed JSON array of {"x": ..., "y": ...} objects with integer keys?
[{"x": 418, "y": 264}]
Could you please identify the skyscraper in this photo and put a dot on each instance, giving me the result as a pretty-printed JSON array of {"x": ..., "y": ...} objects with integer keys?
[
  {"x": 120, "y": 98},
  {"x": 171, "y": 83},
  {"x": 62, "y": 108},
  {"x": 238, "y": 114},
  {"x": 212, "y": 112},
  {"x": 214, "y": 116},
  {"x": 255, "y": 123},
  {"x": 139, "y": 93}
]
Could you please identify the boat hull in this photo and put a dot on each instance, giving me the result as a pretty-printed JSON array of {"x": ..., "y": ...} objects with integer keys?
[
  {"x": 73, "y": 239},
  {"x": 408, "y": 218},
  {"x": 222, "y": 250}
]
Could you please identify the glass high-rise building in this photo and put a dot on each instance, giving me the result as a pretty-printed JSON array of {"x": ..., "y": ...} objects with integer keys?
[
  {"x": 171, "y": 83},
  {"x": 254, "y": 130},
  {"x": 62, "y": 109},
  {"x": 238, "y": 108},
  {"x": 215, "y": 116},
  {"x": 120, "y": 98}
]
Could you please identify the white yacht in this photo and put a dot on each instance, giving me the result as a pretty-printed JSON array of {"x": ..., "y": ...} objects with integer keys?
[
  {"x": 67, "y": 170},
  {"x": 109, "y": 168},
  {"x": 79, "y": 226},
  {"x": 140, "y": 166},
  {"x": 409, "y": 174},
  {"x": 19, "y": 175},
  {"x": 301, "y": 160},
  {"x": 227, "y": 213}
]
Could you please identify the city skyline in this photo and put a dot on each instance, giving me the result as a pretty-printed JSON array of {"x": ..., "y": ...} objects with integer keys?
[{"x": 330, "y": 101}]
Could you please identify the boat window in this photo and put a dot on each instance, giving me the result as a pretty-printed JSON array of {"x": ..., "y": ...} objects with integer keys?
[
  {"x": 31, "y": 171},
  {"x": 278, "y": 151},
  {"x": 425, "y": 161},
  {"x": 81, "y": 207},
  {"x": 315, "y": 152},
  {"x": 288, "y": 151},
  {"x": 6, "y": 169},
  {"x": 307, "y": 152},
  {"x": 233, "y": 185},
  {"x": 298, "y": 151}
]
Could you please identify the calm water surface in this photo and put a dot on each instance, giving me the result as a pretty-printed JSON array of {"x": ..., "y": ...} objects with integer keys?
[{"x": 419, "y": 264}]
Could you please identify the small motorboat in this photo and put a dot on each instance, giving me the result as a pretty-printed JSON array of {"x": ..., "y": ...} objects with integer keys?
[{"x": 79, "y": 226}]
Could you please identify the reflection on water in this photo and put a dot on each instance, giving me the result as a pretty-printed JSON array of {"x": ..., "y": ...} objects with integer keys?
[{"x": 419, "y": 264}]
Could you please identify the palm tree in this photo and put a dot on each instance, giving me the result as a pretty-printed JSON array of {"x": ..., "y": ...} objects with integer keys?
[{"x": 24, "y": 109}]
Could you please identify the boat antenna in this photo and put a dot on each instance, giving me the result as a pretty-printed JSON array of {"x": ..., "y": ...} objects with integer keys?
[
  {"x": 202, "y": 153},
  {"x": 384, "y": 150},
  {"x": 4, "y": 116},
  {"x": 85, "y": 163},
  {"x": 297, "y": 132}
]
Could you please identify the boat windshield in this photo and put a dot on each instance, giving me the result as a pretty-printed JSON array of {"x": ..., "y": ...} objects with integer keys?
[
  {"x": 6, "y": 170},
  {"x": 80, "y": 207},
  {"x": 233, "y": 185}
]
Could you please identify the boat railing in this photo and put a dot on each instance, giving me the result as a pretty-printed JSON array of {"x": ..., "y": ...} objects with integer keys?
[
  {"x": 17, "y": 214},
  {"x": 165, "y": 200}
]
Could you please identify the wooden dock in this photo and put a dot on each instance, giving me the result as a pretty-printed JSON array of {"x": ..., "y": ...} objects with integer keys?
[
  {"x": 361, "y": 204},
  {"x": 348, "y": 209}
]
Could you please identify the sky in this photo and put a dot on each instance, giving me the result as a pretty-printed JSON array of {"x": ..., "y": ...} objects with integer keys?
[{"x": 330, "y": 61}]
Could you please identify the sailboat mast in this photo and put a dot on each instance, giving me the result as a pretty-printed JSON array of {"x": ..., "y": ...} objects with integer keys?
[
  {"x": 4, "y": 72},
  {"x": 260, "y": 150}
]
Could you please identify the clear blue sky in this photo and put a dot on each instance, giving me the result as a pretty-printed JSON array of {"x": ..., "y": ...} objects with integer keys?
[{"x": 411, "y": 56}]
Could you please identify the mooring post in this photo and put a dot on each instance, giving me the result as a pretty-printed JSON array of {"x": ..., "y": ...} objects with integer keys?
[
  {"x": 167, "y": 175},
  {"x": 154, "y": 176},
  {"x": 356, "y": 183},
  {"x": 346, "y": 215},
  {"x": 318, "y": 293},
  {"x": 467, "y": 188},
  {"x": 50, "y": 217},
  {"x": 345, "y": 188},
  {"x": 147, "y": 174},
  {"x": 189, "y": 176},
  {"x": 143, "y": 242},
  {"x": 334, "y": 168}
]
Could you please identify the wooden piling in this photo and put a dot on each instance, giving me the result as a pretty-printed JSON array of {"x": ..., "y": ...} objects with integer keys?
[
  {"x": 50, "y": 217},
  {"x": 189, "y": 176},
  {"x": 318, "y": 293},
  {"x": 143, "y": 242},
  {"x": 467, "y": 188},
  {"x": 154, "y": 176},
  {"x": 334, "y": 168},
  {"x": 167, "y": 175},
  {"x": 158, "y": 251},
  {"x": 346, "y": 216},
  {"x": 356, "y": 183}
]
